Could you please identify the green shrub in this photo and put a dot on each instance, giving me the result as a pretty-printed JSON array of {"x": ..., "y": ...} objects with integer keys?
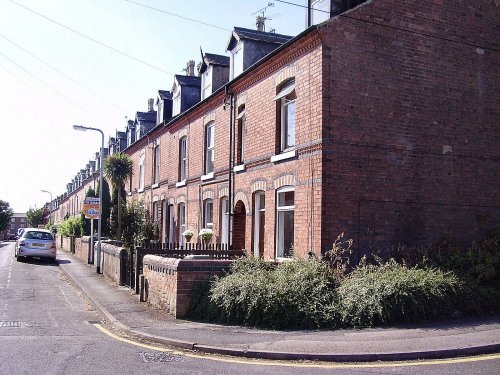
[
  {"x": 72, "y": 226},
  {"x": 295, "y": 294},
  {"x": 394, "y": 293}
]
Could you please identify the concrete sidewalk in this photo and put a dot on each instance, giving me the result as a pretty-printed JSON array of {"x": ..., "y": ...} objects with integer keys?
[{"x": 119, "y": 307}]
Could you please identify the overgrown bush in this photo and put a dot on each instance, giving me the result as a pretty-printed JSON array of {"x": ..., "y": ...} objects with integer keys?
[
  {"x": 295, "y": 294},
  {"x": 132, "y": 223},
  {"x": 72, "y": 226},
  {"x": 395, "y": 293}
]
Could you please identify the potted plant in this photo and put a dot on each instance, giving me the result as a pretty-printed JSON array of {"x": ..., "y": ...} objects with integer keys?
[
  {"x": 188, "y": 234},
  {"x": 206, "y": 235}
]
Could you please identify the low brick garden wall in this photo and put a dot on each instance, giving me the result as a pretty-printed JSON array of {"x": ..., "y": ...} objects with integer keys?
[
  {"x": 112, "y": 261},
  {"x": 169, "y": 282}
]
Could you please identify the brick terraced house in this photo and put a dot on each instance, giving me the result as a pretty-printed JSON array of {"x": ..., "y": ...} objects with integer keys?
[{"x": 380, "y": 122}]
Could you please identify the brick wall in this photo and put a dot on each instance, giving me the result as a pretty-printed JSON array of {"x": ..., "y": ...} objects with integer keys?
[
  {"x": 411, "y": 140},
  {"x": 169, "y": 282},
  {"x": 111, "y": 264}
]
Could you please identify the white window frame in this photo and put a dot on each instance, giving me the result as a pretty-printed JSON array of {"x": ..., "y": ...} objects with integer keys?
[
  {"x": 240, "y": 142},
  {"x": 320, "y": 11},
  {"x": 280, "y": 212},
  {"x": 159, "y": 114},
  {"x": 182, "y": 221},
  {"x": 156, "y": 163},
  {"x": 287, "y": 99},
  {"x": 141, "y": 172},
  {"x": 208, "y": 213},
  {"x": 256, "y": 220},
  {"x": 224, "y": 225},
  {"x": 210, "y": 147},
  {"x": 182, "y": 158},
  {"x": 236, "y": 52},
  {"x": 206, "y": 83},
  {"x": 176, "y": 101}
]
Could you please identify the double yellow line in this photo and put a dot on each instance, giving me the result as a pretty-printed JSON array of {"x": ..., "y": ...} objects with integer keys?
[{"x": 487, "y": 357}]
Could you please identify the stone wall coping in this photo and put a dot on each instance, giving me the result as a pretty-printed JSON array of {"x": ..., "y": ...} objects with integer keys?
[
  {"x": 164, "y": 263},
  {"x": 111, "y": 249}
]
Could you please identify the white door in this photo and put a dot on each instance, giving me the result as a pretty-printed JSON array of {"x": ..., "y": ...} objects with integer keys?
[{"x": 224, "y": 231}]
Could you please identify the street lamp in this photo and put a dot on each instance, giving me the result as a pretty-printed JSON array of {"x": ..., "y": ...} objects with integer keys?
[
  {"x": 85, "y": 128},
  {"x": 50, "y": 207}
]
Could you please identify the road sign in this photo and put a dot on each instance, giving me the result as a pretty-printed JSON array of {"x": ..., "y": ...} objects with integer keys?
[{"x": 91, "y": 208}]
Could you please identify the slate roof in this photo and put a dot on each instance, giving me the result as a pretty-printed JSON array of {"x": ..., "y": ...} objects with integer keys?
[
  {"x": 164, "y": 94},
  {"x": 121, "y": 135},
  {"x": 146, "y": 116},
  {"x": 213, "y": 59},
  {"x": 241, "y": 33},
  {"x": 188, "y": 80}
]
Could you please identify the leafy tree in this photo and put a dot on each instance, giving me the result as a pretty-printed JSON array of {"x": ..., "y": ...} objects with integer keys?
[
  {"x": 118, "y": 168},
  {"x": 36, "y": 216},
  {"x": 113, "y": 217},
  {"x": 133, "y": 223},
  {"x": 5, "y": 214},
  {"x": 106, "y": 207}
]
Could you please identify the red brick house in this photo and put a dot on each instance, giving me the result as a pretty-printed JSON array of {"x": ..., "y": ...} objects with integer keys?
[{"x": 380, "y": 122}]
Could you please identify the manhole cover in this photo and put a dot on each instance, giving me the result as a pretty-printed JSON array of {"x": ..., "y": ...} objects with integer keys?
[
  {"x": 158, "y": 357},
  {"x": 11, "y": 324}
]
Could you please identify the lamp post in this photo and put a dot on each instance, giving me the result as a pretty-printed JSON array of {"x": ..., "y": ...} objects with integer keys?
[
  {"x": 50, "y": 206},
  {"x": 85, "y": 128}
]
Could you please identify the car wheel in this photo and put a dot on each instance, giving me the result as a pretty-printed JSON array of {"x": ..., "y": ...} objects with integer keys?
[{"x": 18, "y": 258}]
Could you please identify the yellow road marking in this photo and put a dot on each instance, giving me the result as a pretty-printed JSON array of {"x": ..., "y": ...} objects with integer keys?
[{"x": 486, "y": 357}]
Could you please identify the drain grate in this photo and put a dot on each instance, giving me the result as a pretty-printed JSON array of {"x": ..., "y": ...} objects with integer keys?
[
  {"x": 9, "y": 324},
  {"x": 154, "y": 357}
]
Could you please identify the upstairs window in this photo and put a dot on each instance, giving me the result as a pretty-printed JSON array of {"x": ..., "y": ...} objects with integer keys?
[
  {"x": 141, "y": 172},
  {"x": 182, "y": 158},
  {"x": 159, "y": 113},
  {"x": 156, "y": 164},
  {"x": 320, "y": 11},
  {"x": 206, "y": 83},
  {"x": 237, "y": 60},
  {"x": 176, "y": 104},
  {"x": 240, "y": 136},
  {"x": 286, "y": 107},
  {"x": 209, "y": 147}
]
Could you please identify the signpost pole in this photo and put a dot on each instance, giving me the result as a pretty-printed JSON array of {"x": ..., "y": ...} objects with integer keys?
[{"x": 91, "y": 250}]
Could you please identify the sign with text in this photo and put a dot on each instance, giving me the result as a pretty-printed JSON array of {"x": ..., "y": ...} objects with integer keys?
[{"x": 91, "y": 208}]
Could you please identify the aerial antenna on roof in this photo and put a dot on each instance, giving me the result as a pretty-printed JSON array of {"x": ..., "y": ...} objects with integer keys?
[{"x": 261, "y": 18}]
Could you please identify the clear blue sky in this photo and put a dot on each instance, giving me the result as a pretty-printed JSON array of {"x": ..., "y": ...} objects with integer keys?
[{"x": 52, "y": 77}]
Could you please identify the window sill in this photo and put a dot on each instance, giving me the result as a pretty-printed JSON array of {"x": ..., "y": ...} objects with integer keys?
[
  {"x": 155, "y": 185},
  {"x": 140, "y": 190},
  {"x": 239, "y": 168},
  {"x": 284, "y": 156},
  {"x": 208, "y": 176},
  {"x": 181, "y": 183}
]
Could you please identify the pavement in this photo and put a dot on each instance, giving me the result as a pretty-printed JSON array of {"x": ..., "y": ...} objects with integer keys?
[{"x": 121, "y": 309}]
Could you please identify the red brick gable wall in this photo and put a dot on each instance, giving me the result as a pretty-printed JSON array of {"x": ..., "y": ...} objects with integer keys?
[{"x": 411, "y": 140}]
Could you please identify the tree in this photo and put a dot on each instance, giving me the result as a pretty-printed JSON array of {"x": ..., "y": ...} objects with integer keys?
[
  {"x": 36, "y": 217},
  {"x": 118, "y": 168},
  {"x": 106, "y": 207},
  {"x": 5, "y": 214}
]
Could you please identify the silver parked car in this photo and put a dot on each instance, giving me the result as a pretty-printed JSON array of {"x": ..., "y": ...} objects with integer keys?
[{"x": 36, "y": 243}]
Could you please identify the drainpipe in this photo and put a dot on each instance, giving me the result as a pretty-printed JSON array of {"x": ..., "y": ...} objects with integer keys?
[{"x": 231, "y": 166}]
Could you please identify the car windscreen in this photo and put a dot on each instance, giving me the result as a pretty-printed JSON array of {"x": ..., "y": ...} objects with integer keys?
[{"x": 32, "y": 235}]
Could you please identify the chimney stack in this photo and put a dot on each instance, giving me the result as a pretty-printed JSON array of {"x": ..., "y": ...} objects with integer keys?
[
  {"x": 151, "y": 103},
  {"x": 190, "y": 68},
  {"x": 260, "y": 23}
]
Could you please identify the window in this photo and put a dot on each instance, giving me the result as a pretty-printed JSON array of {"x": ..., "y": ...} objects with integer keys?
[
  {"x": 141, "y": 172},
  {"x": 240, "y": 136},
  {"x": 182, "y": 158},
  {"x": 285, "y": 208},
  {"x": 209, "y": 147},
  {"x": 176, "y": 104},
  {"x": 182, "y": 221},
  {"x": 159, "y": 113},
  {"x": 208, "y": 214},
  {"x": 237, "y": 61},
  {"x": 259, "y": 221},
  {"x": 286, "y": 103},
  {"x": 206, "y": 83},
  {"x": 156, "y": 164},
  {"x": 224, "y": 219}
]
